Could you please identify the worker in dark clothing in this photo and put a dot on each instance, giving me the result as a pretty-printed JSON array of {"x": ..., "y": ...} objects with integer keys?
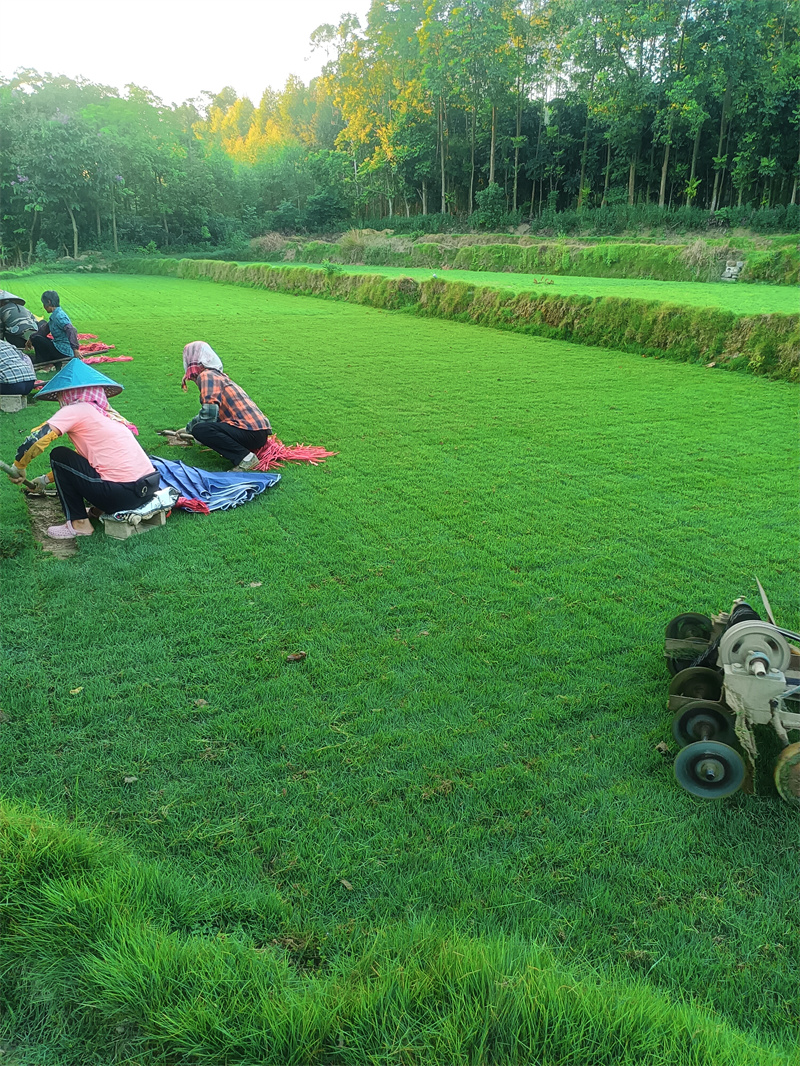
[{"x": 17, "y": 324}]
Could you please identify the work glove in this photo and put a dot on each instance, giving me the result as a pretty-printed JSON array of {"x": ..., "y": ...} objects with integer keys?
[
  {"x": 209, "y": 412},
  {"x": 42, "y": 482}
]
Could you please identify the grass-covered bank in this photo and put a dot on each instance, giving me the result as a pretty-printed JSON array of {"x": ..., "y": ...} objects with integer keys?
[
  {"x": 119, "y": 960},
  {"x": 763, "y": 344},
  {"x": 740, "y": 299},
  {"x": 481, "y": 580},
  {"x": 697, "y": 260}
]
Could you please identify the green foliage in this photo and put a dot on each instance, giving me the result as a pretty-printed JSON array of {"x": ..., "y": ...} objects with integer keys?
[
  {"x": 44, "y": 254},
  {"x": 491, "y": 212}
]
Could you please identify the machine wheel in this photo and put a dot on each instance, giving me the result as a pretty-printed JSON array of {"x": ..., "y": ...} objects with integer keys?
[
  {"x": 689, "y": 626},
  {"x": 745, "y": 638},
  {"x": 702, "y": 720},
  {"x": 699, "y": 682},
  {"x": 787, "y": 774},
  {"x": 709, "y": 769}
]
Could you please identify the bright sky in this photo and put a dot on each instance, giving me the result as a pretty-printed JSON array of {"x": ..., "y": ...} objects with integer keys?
[{"x": 176, "y": 48}]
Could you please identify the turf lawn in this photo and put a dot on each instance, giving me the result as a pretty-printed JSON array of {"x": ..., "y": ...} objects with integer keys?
[
  {"x": 741, "y": 298},
  {"x": 481, "y": 580}
]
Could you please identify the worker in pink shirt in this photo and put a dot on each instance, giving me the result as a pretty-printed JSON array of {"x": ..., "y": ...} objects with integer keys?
[{"x": 108, "y": 467}]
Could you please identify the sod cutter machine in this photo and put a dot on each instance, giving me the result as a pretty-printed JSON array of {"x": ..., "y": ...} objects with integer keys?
[{"x": 731, "y": 672}]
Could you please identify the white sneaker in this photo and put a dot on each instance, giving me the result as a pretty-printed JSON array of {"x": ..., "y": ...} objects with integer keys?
[{"x": 250, "y": 462}]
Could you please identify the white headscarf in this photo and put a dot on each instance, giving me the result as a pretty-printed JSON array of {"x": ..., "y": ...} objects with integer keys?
[{"x": 198, "y": 352}]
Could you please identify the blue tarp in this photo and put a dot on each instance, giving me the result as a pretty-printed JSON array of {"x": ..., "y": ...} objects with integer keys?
[{"x": 219, "y": 490}]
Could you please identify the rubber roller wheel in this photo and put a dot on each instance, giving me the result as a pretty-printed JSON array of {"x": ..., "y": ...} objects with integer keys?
[
  {"x": 709, "y": 769},
  {"x": 702, "y": 720},
  {"x": 699, "y": 682},
  {"x": 689, "y": 626},
  {"x": 787, "y": 774}
]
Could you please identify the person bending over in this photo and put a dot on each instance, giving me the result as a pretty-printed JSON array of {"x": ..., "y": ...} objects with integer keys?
[
  {"x": 229, "y": 422},
  {"x": 17, "y": 376},
  {"x": 108, "y": 468},
  {"x": 17, "y": 324},
  {"x": 65, "y": 343}
]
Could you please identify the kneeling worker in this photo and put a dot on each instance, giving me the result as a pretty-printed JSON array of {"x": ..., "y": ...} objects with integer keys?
[
  {"x": 17, "y": 376},
  {"x": 65, "y": 343},
  {"x": 17, "y": 324},
  {"x": 229, "y": 422},
  {"x": 108, "y": 468}
]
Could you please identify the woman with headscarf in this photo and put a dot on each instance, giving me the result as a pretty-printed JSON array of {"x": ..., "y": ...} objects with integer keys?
[
  {"x": 107, "y": 469},
  {"x": 229, "y": 422}
]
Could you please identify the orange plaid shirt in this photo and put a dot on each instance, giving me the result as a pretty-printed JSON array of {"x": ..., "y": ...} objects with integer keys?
[{"x": 235, "y": 406}]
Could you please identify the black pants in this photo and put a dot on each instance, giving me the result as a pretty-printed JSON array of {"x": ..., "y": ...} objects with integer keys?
[
  {"x": 19, "y": 340},
  {"x": 16, "y": 388},
  {"x": 77, "y": 480},
  {"x": 45, "y": 352},
  {"x": 230, "y": 441}
]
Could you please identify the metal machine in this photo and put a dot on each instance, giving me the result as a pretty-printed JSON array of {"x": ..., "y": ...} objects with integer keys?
[{"x": 732, "y": 672}]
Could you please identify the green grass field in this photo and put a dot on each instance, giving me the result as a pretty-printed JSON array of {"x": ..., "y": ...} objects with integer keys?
[
  {"x": 740, "y": 298},
  {"x": 446, "y": 836}
]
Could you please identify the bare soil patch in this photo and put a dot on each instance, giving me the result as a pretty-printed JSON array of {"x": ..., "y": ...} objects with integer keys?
[{"x": 46, "y": 511}]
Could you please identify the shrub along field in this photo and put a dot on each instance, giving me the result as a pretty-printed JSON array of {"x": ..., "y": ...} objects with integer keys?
[{"x": 447, "y": 835}]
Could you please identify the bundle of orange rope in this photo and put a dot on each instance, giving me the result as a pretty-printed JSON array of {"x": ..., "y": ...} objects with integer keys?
[{"x": 275, "y": 453}]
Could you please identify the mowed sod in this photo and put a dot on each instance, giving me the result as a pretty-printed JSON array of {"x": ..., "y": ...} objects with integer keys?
[
  {"x": 741, "y": 298},
  {"x": 481, "y": 580}
]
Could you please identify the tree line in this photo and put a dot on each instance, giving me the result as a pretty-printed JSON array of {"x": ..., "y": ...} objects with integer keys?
[{"x": 479, "y": 110}]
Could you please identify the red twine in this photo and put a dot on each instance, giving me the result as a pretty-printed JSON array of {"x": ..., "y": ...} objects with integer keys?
[{"x": 275, "y": 453}]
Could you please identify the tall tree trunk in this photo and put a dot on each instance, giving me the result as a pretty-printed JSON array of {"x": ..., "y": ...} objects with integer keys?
[
  {"x": 608, "y": 174},
  {"x": 663, "y": 187},
  {"x": 664, "y": 165},
  {"x": 585, "y": 146},
  {"x": 695, "y": 150},
  {"x": 725, "y": 168},
  {"x": 31, "y": 235},
  {"x": 516, "y": 146},
  {"x": 722, "y": 122},
  {"x": 650, "y": 169},
  {"x": 74, "y": 232},
  {"x": 441, "y": 155},
  {"x": 632, "y": 179},
  {"x": 491, "y": 151},
  {"x": 166, "y": 227},
  {"x": 794, "y": 186},
  {"x": 536, "y": 165},
  {"x": 114, "y": 220},
  {"x": 97, "y": 219},
  {"x": 424, "y": 197},
  {"x": 472, "y": 164}
]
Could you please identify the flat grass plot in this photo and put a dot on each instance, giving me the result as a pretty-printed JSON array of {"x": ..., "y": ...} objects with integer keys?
[{"x": 480, "y": 581}]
